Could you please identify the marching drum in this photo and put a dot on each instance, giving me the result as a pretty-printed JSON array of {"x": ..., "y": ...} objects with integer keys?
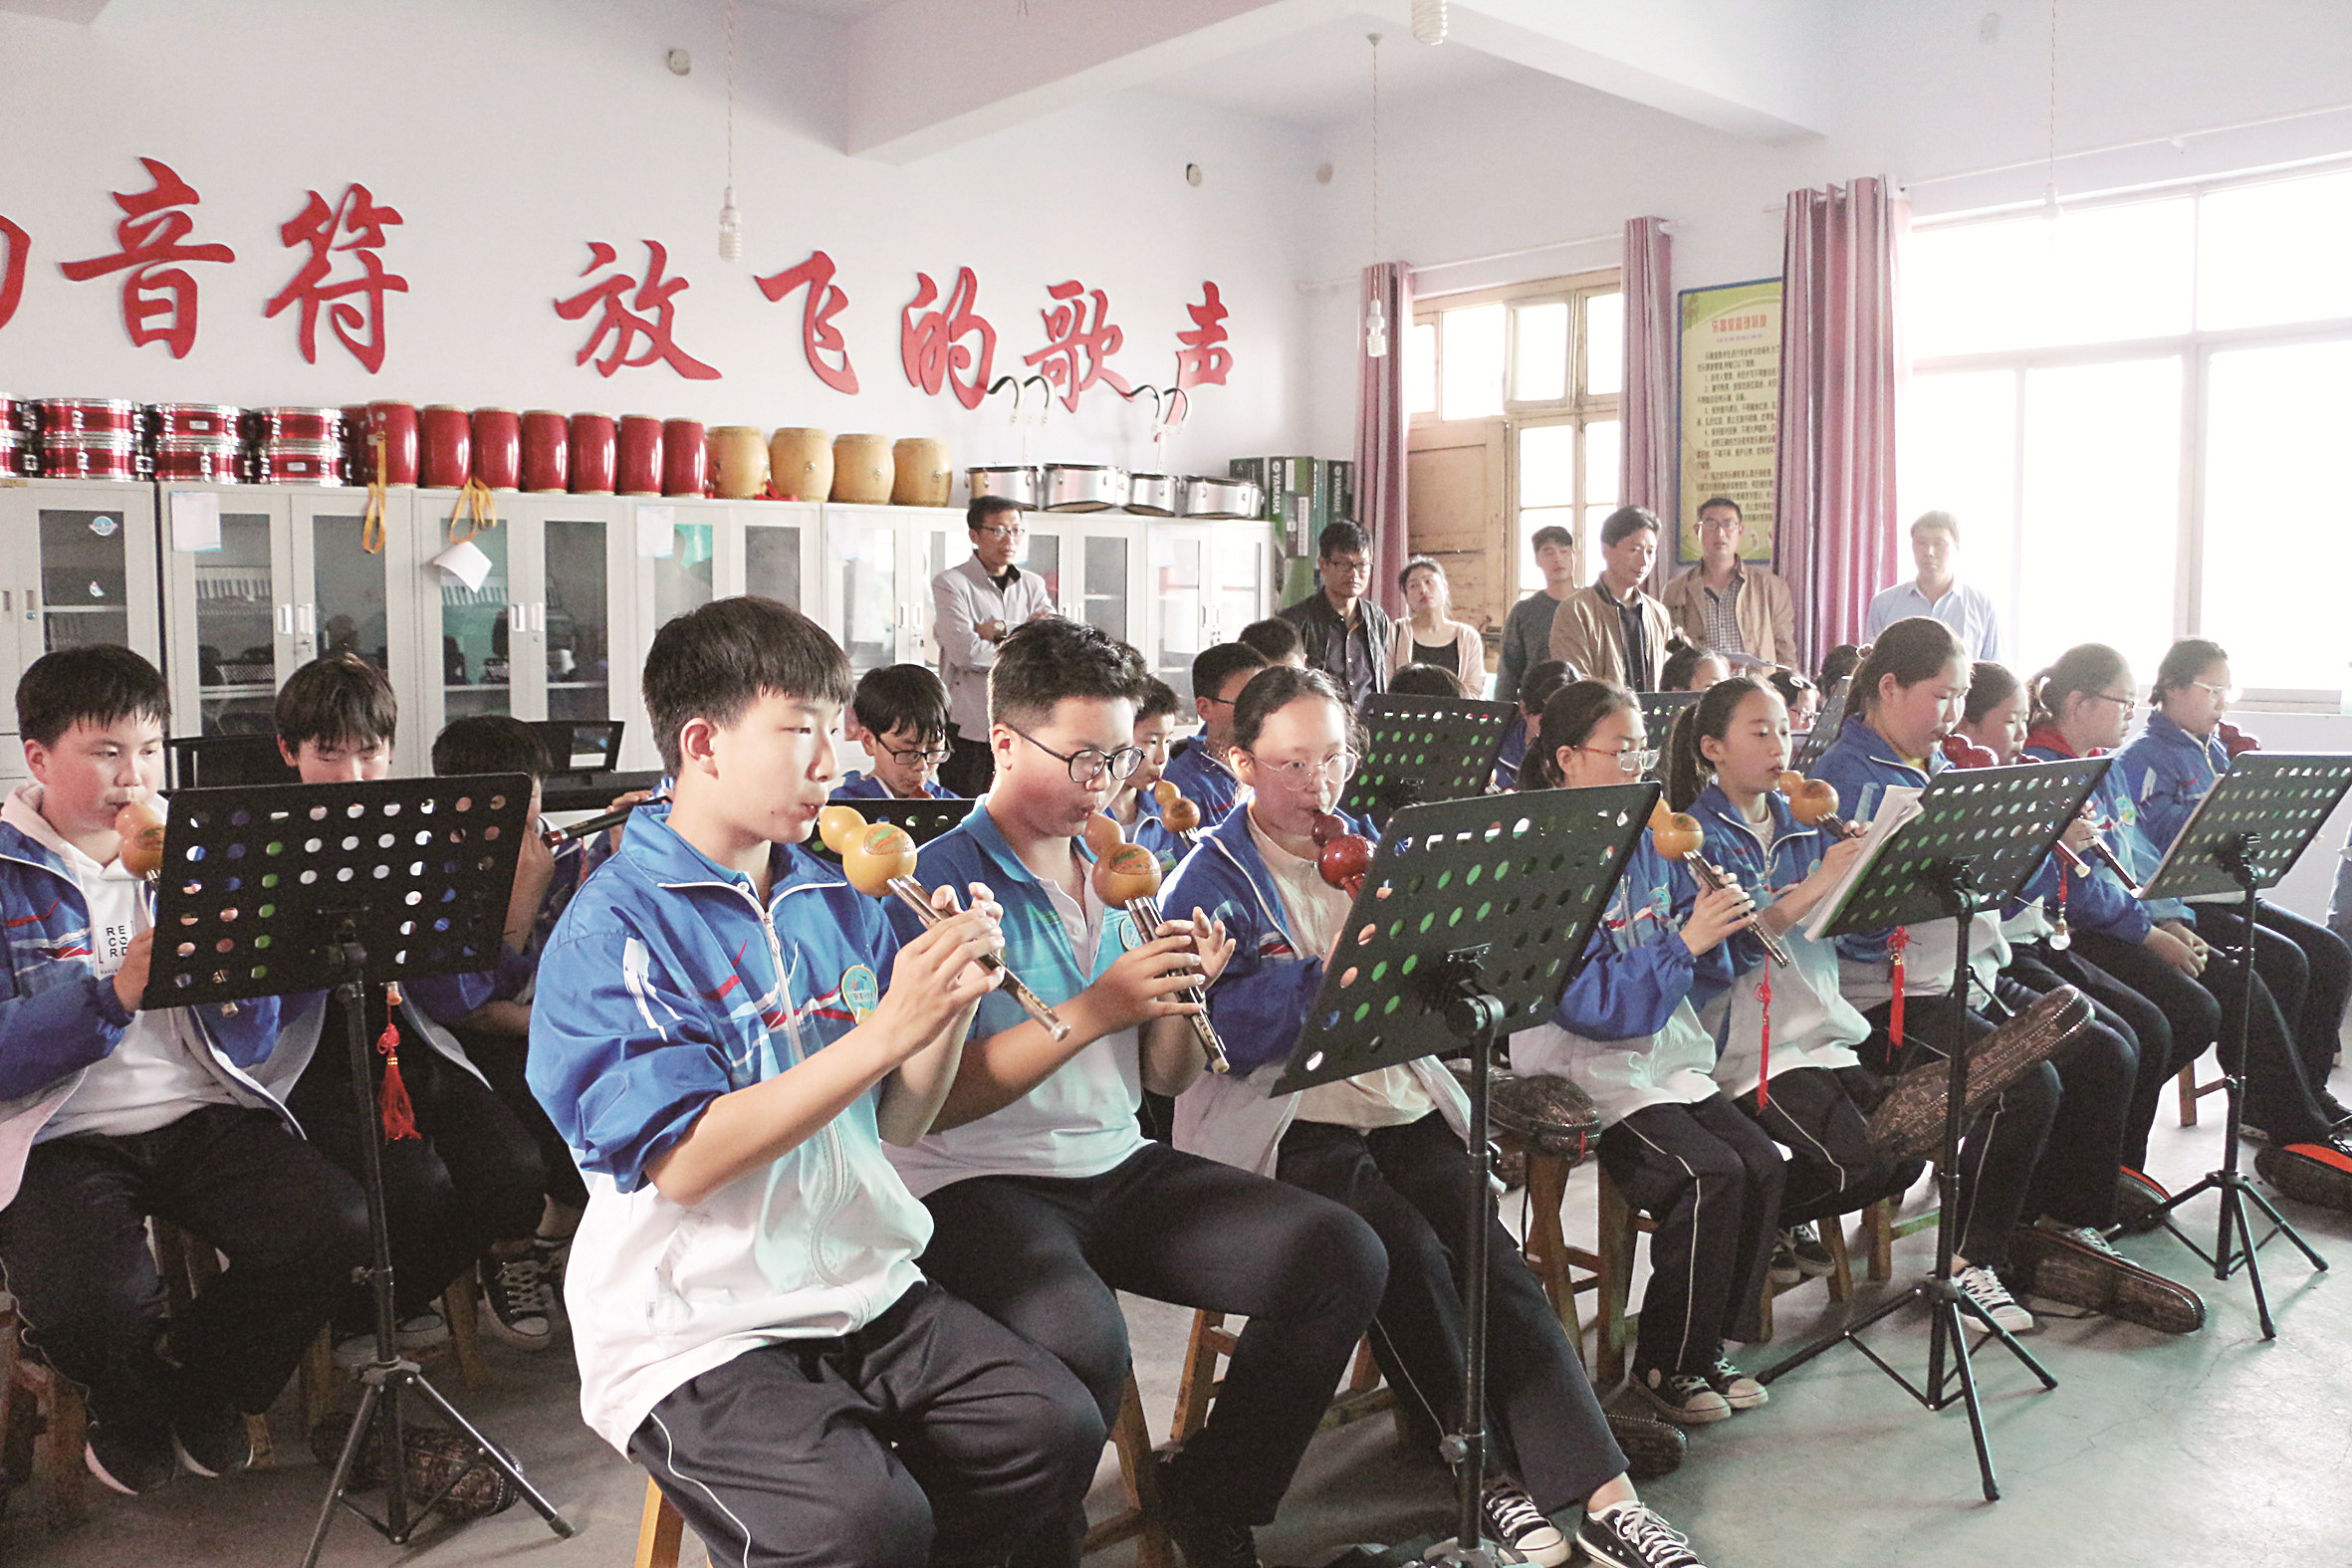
[
  {"x": 193, "y": 421},
  {"x": 863, "y": 469},
  {"x": 20, "y": 454},
  {"x": 639, "y": 470},
  {"x": 547, "y": 450},
  {"x": 265, "y": 425},
  {"x": 801, "y": 463},
  {"x": 593, "y": 452},
  {"x": 20, "y": 416},
  {"x": 199, "y": 460},
  {"x": 299, "y": 463},
  {"x": 77, "y": 455},
  {"x": 106, "y": 416},
  {"x": 498, "y": 448},
  {"x": 396, "y": 424}
]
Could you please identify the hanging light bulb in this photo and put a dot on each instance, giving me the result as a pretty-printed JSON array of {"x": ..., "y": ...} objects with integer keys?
[
  {"x": 1429, "y": 21},
  {"x": 1377, "y": 329}
]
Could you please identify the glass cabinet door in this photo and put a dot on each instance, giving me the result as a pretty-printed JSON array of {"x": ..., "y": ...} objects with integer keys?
[
  {"x": 1177, "y": 559},
  {"x": 475, "y": 640},
  {"x": 1103, "y": 604},
  {"x": 866, "y": 558},
  {"x": 579, "y": 618},
  {"x": 771, "y": 561},
  {"x": 1041, "y": 555},
  {"x": 1237, "y": 581},
  {"x": 84, "y": 578},
  {"x": 682, "y": 579},
  {"x": 236, "y": 633},
  {"x": 348, "y": 610}
]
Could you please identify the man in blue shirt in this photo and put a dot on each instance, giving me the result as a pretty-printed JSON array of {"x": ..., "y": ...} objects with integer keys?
[{"x": 1938, "y": 591}]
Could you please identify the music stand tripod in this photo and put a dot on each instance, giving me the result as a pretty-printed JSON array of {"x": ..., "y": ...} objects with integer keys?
[
  {"x": 1423, "y": 749},
  {"x": 1979, "y": 835},
  {"x": 296, "y": 888},
  {"x": 2245, "y": 833},
  {"x": 1469, "y": 923}
]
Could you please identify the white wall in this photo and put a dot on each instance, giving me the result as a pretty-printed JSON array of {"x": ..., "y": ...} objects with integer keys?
[
  {"x": 1912, "y": 93},
  {"x": 510, "y": 135}
]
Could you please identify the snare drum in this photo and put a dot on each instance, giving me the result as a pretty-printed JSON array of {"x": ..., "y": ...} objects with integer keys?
[
  {"x": 20, "y": 454},
  {"x": 72, "y": 455},
  {"x": 180, "y": 422},
  {"x": 199, "y": 461},
  {"x": 18, "y": 418},
  {"x": 267, "y": 426},
  {"x": 299, "y": 463},
  {"x": 109, "y": 416}
]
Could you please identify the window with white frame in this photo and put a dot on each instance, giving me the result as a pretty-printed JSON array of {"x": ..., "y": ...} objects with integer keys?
[
  {"x": 2131, "y": 409},
  {"x": 1546, "y": 359}
]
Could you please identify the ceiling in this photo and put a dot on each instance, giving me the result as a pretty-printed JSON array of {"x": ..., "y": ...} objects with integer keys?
[{"x": 1324, "y": 73}]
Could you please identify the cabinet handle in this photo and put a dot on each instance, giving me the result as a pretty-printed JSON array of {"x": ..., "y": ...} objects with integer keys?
[
  {"x": 513, "y": 617},
  {"x": 538, "y": 616},
  {"x": 305, "y": 619},
  {"x": 285, "y": 620}
]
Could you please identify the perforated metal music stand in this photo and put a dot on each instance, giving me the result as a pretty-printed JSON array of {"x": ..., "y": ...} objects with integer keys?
[
  {"x": 2244, "y": 835},
  {"x": 292, "y": 888},
  {"x": 1423, "y": 749},
  {"x": 1979, "y": 835},
  {"x": 923, "y": 820},
  {"x": 1470, "y": 922}
]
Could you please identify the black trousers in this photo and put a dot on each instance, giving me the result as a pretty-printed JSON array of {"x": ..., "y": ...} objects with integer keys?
[
  {"x": 970, "y": 766},
  {"x": 75, "y": 1246},
  {"x": 2000, "y": 1147},
  {"x": 1045, "y": 1256},
  {"x": 473, "y": 1177},
  {"x": 2308, "y": 968},
  {"x": 930, "y": 1435},
  {"x": 2074, "y": 1181},
  {"x": 1816, "y": 1115},
  {"x": 1412, "y": 1184},
  {"x": 501, "y": 1058},
  {"x": 2161, "y": 1038},
  {"x": 1712, "y": 1180}
]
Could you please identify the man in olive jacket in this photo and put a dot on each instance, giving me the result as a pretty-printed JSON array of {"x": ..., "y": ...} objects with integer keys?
[{"x": 1612, "y": 630}]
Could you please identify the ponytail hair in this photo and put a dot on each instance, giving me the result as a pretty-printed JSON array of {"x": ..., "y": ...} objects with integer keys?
[
  {"x": 1914, "y": 649},
  {"x": 1687, "y": 767},
  {"x": 2086, "y": 667},
  {"x": 2183, "y": 662},
  {"x": 1989, "y": 685},
  {"x": 1571, "y": 715}
]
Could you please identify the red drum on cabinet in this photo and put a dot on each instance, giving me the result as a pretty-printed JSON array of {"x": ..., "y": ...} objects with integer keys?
[
  {"x": 197, "y": 460},
  {"x": 71, "y": 455},
  {"x": 446, "y": 446},
  {"x": 20, "y": 454},
  {"x": 89, "y": 416},
  {"x": 594, "y": 453},
  {"x": 639, "y": 472},
  {"x": 299, "y": 463},
  {"x": 395, "y": 425},
  {"x": 685, "y": 461},
  {"x": 265, "y": 425},
  {"x": 195, "y": 421},
  {"x": 498, "y": 448},
  {"x": 547, "y": 450}
]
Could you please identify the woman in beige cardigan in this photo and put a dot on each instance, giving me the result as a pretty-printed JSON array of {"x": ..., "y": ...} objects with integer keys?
[{"x": 1427, "y": 635}]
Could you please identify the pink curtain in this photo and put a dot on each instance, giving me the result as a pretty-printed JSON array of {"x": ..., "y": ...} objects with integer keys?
[
  {"x": 1834, "y": 533},
  {"x": 1648, "y": 405},
  {"x": 1380, "y": 429}
]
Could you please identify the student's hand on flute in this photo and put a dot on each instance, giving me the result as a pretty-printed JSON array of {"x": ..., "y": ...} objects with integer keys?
[
  {"x": 1142, "y": 983},
  {"x": 1213, "y": 946},
  {"x": 1713, "y": 917},
  {"x": 935, "y": 977},
  {"x": 984, "y": 904},
  {"x": 130, "y": 980}
]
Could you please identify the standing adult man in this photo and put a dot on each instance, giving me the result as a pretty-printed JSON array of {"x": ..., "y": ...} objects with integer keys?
[
  {"x": 1612, "y": 630},
  {"x": 1742, "y": 612},
  {"x": 1527, "y": 630},
  {"x": 974, "y": 605},
  {"x": 1938, "y": 591},
  {"x": 1346, "y": 634}
]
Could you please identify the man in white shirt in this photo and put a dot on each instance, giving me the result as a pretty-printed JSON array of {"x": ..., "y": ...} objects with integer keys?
[
  {"x": 974, "y": 605},
  {"x": 1938, "y": 591}
]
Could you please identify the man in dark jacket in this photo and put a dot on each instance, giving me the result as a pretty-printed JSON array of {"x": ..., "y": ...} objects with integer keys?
[{"x": 1345, "y": 634}]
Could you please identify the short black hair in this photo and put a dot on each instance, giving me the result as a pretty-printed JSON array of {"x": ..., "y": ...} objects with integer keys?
[
  {"x": 1220, "y": 662},
  {"x": 99, "y": 683},
  {"x": 491, "y": 743},
  {"x": 1712, "y": 502},
  {"x": 983, "y": 507},
  {"x": 1543, "y": 679},
  {"x": 1158, "y": 699},
  {"x": 1683, "y": 663},
  {"x": 1424, "y": 680},
  {"x": 716, "y": 661},
  {"x": 1338, "y": 536},
  {"x": 1278, "y": 686},
  {"x": 1275, "y": 637},
  {"x": 1626, "y": 522},
  {"x": 901, "y": 696},
  {"x": 338, "y": 699},
  {"x": 1552, "y": 533},
  {"x": 1042, "y": 661}
]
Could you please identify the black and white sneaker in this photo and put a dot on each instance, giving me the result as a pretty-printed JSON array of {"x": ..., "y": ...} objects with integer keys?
[
  {"x": 1739, "y": 1390},
  {"x": 516, "y": 1291},
  {"x": 1784, "y": 1270},
  {"x": 1812, "y": 1253},
  {"x": 1206, "y": 1541},
  {"x": 131, "y": 1459},
  {"x": 1519, "y": 1525},
  {"x": 1683, "y": 1398},
  {"x": 1983, "y": 1286},
  {"x": 209, "y": 1437},
  {"x": 1632, "y": 1535}
]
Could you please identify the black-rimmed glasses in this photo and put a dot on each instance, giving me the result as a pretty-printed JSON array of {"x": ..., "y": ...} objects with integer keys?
[{"x": 1088, "y": 764}]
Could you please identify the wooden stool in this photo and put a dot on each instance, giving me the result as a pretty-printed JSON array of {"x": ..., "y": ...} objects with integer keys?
[
  {"x": 1614, "y": 1328},
  {"x": 661, "y": 1530},
  {"x": 1881, "y": 1230},
  {"x": 1549, "y": 1253},
  {"x": 1840, "y": 1278},
  {"x": 1200, "y": 1383},
  {"x": 188, "y": 1264},
  {"x": 41, "y": 1418},
  {"x": 2192, "y": 1091}
]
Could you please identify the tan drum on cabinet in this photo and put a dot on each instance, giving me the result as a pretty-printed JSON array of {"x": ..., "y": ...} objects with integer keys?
[
  {"x": 801, "y": 463},
  {"x": 738, "y": 461},
  {"x": 920, "y": 474},
  {"x": 863, "y": 469}
]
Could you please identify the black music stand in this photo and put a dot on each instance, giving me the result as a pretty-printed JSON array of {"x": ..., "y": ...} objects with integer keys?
[
  {"x": 923, "y": 820},
  {"x": 304, "y": 887},
  {"x": 1470, "y": 922},
  {"x": 1826, "y": 723},
  {"x": 1423, "y": 749},
  {"x": 2250, "y": 827},
  {"x": 1979, "y": 835}
]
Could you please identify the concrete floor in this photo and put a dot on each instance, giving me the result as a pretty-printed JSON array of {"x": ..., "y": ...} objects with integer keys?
[{"x": 2216, "y": 1449}]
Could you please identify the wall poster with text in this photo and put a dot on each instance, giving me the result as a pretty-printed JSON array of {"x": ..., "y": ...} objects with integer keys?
[{"x": 1730, "y": 411}]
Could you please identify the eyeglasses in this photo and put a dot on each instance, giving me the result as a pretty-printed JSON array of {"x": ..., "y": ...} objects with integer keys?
[
  {"x": 917, "y": 756},
  {"x": 2217, "y": 693},
  {"x": 1002, "y": 530},
  {"x": 1633, "y": 760},
  {"x": 1088, "y": 764},
  {"x": 1299, "y": 774},
  {"x": 2129, "y": 704},
  {"x": 1346, "y": 565}
]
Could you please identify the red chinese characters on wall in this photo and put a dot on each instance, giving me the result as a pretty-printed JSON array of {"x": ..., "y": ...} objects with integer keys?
[
  {"x": 1204, "y": 360},
  {"x": 15, "y": 246},
  {"x": 158, "y": 299},
  {"x": 825, "y": 300},
  {"x": 1080, "y": 341},
  {"x": 353, "y": 226},
  {"x": 622, "y": 316},
  {"x": 932, "y": 348}
]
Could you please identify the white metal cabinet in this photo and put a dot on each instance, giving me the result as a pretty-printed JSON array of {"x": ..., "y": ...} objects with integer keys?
[
  {"x": 1205, "y": 581},
  {"x": 879, "y": 563},
  {"x": 77, "y": 566}
]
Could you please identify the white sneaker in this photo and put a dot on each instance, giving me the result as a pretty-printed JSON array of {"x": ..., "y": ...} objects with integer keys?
[
  {"x": 1983, "y": 1286},
  {"x": 1519, "y": 1525}
]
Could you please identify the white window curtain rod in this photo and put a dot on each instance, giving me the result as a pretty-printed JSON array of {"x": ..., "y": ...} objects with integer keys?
[
  {"x": 1611, "y": 237},
  {"x": 2177, "y": 138}
]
